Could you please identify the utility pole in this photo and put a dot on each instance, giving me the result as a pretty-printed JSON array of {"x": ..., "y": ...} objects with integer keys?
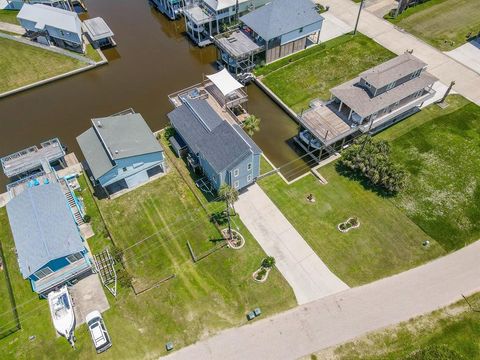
[{"x": 358, "y": 17}]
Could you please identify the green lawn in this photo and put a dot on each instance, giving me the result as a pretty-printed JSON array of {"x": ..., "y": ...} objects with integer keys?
[
  {"x": 202, "y": 299},
  {"x": 444, "y": 24},
  {"x": 9, "y": 16},
  {"x": 22, "y": 64},
  {"x": 386, "y": 243},
  {"x": 441, "y": 151},
  {"x": 312, "y": 73},
  {"x": 453, "y": 332}
]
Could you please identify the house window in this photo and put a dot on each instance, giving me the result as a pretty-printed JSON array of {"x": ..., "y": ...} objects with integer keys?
[
  {"x": 124, "y": 169},
  {"x": 391, "y": 85},
  {"x": 300, "y": 30},
  {"x": 249, "y": 178},
  {"x": 74, "y": 257},
  {"x": 43, "y": 272},
  {"x": 236, "y": 172},
  {"x": 418, "y": 93},
  {"x": 416, "y": 73},
  {"x": 249, "y": 166},
  {"x": 236, "y": 184}
]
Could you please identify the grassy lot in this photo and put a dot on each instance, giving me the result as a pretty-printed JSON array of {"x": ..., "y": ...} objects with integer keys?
[
  {"x": 311, "y": 74},
  {"x": 441, "y": 151},
  {"x": 93, "y": 54},
  {"x": 386, "y": 243},
  {"x": 22, "y": 64},
  {"x": 452, "y": 331},
  {"x": 203, "y": 298},
  {"x": 9, "y": 16},
  {"x": 442, "y": 23}
]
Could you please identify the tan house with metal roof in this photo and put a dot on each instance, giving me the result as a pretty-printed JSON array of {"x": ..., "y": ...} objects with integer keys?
[{"x": 376, "y": 99}]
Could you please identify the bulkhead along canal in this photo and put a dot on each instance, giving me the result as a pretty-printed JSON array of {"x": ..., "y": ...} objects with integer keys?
[{"x": 153, "y": 58}]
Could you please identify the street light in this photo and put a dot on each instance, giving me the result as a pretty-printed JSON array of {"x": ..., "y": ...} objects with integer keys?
[{"x": 358, "y": 17}]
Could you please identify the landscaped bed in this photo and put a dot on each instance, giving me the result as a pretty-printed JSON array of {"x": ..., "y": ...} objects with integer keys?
[
  {"x": 310, "y": 74},
  {"x": 22, "y": 64},
  {"x": 441, "y": 152},
  {"x": 444, "y": 24}
]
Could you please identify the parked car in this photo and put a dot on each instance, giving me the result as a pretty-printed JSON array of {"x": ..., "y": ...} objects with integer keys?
[{"x": 98, "y": 331}]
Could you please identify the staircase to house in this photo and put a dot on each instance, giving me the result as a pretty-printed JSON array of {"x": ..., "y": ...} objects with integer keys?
[{"x": 71, "y": 202}]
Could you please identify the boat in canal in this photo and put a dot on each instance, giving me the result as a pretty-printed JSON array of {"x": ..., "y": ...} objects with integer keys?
[
  {"x": 307, "y": 137},
  {"x": 61, "y": 309}
]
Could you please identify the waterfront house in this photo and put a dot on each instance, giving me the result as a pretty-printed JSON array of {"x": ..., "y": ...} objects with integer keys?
[
  {"x": 205, "y": 18},
  {"x": 278, "y": 29},
  {"x": 17, "y": 4},
  {"x": 98, "y": 32},
  {"x": 50, "y": 249},
  {"x": 121, "y": 152},
  {"x": 376, "y": 99},
  {"x": 52, "y": 26},
  {"x": 220, "y": 150},
  {"x": 170, "y": 8}
]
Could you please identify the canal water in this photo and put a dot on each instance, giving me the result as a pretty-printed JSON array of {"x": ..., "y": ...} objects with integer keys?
[{"x": 153, "y": 59}]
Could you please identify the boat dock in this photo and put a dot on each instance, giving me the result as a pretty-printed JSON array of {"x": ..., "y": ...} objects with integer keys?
[{"x": 33, "y": 158}]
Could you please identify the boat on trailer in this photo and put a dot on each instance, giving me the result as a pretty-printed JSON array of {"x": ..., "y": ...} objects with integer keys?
[
  {"x": 307, "y": 137},
  {"x": 61, "y": 309}
]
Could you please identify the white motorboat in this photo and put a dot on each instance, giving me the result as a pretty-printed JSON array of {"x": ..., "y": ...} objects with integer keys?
[
  {"x": 309, "y": 139},
  {"x": 63, "y": 316}
]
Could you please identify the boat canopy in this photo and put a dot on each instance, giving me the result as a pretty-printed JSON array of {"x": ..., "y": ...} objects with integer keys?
[{"x": 225, "y": 82}]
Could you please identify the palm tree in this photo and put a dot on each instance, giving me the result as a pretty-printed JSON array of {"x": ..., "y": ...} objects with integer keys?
[
  {"x": 230, "y": 196},
  {"x": 251, "y": 125}
]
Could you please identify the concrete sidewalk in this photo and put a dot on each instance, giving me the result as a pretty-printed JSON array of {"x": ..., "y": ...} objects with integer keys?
[
  {"x": 397, "y": 41},
  {"x": 12, "y": 28},
  {"x": 342, "y": 317},
  {"x": 308, "y": 276}
]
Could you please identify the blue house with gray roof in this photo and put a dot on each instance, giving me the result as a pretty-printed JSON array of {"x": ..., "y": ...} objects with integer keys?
[
  {"x": 278, "y": 29},
  {"x": 49, "y": 246},
  {"x": 121, "y": 152},
  {"x": 224, "y": 152}
]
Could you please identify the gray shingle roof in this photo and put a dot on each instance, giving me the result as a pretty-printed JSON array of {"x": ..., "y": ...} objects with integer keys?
[
  {"x": 363, "y": 104},
  {"x": 281, "y": 17},
  {"x": 392, "y": 70},
  {"x": 221, "y": 144},
  {"x": 116, "y": 137},
  {"x": 43, "y": 227}
]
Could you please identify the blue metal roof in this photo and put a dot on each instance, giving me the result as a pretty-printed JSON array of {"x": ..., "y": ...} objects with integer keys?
[{"x": 43, "y": 227}]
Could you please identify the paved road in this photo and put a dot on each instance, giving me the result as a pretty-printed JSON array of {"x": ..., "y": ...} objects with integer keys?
[
  {"x": 397, "y": 41},
  {"x": 341, "y": 317},
  {"x": 308, "y": 276}
]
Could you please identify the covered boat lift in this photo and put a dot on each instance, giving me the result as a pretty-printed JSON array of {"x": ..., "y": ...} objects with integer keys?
[{"x": 100, "y": 35}]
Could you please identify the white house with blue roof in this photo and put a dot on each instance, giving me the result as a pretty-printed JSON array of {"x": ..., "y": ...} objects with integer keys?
[
  {"x": 121, "y": 152},
  {"x": 278, "y": 29},
  {"x": 52, "y": 25},
  {"x": 50, "y": 249},
  {"x": 224, "y": 152}
]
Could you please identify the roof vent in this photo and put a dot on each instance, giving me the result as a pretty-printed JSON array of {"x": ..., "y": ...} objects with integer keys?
[
  {"x": 99, "y": 124},
  {"x": 116, "y": 151}
]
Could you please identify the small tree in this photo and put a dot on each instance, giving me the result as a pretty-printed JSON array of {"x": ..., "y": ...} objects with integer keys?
[
  {"x": 268, "y": 262},
  {"x": 230, "y": 196},
  {"x": 251, "y": 125}
]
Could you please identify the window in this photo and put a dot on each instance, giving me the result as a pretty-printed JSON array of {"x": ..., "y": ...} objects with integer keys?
[
  {"x": 391, "y": 85},
  {"x": 43, "y": 272},
  {"x": 300, "y": 30},
  {"x": 249, "y": 166},
  {"x": 249, "y": 177},
  {"x": 416, "y": 73},
  {"x": 236, "y": 184},
  {"x": 236, "y": 172},
  {"x": 418, "y": 94},
  {"x": 124, "y": 169},
  {"x": 74, "y": 257}
]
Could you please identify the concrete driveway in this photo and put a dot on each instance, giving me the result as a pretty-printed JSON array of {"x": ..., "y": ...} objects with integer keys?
[
  {"x": 308, "y": 276},
  {"x": 344, "y": 316},
  {"x": 468, "y": 54}
]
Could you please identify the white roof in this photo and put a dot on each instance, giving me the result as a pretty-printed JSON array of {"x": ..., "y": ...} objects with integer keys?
[
  {"x": 222, "y": 4},
  {"x": 48, "y": 15},
  {"x": 97, "y": 28},
  {"x": 225, "y": 82}
]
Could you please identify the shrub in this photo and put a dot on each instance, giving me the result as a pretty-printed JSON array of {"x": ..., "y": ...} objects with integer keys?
[
  {"x": 87, "y": 218},
  {"x": 370, "y": 160},
  {"x": 268, "y": 262},
  {"x": 261, "y": 274},
  {"x": 124, "y": 278},
  {"x": 435, "y": 352},
  {"x": 169, "y": 132},
  {"x": 353, "y": 221}
]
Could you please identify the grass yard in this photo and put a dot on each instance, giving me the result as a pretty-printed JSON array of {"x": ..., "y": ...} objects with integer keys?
[
  {"x": 9, "y": 16},
  {"x": 449, "y": 333},
  {"x": 22, "y": 64},
  {"x": 311, "y": 74},
  {"x": 441, "y": 151},
  {"x": 386, "y": 243},
  {"x": 444, "y": 24}
]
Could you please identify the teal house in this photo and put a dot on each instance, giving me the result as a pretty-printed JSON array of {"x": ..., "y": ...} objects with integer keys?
[{"x": 50, "y": 249}]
